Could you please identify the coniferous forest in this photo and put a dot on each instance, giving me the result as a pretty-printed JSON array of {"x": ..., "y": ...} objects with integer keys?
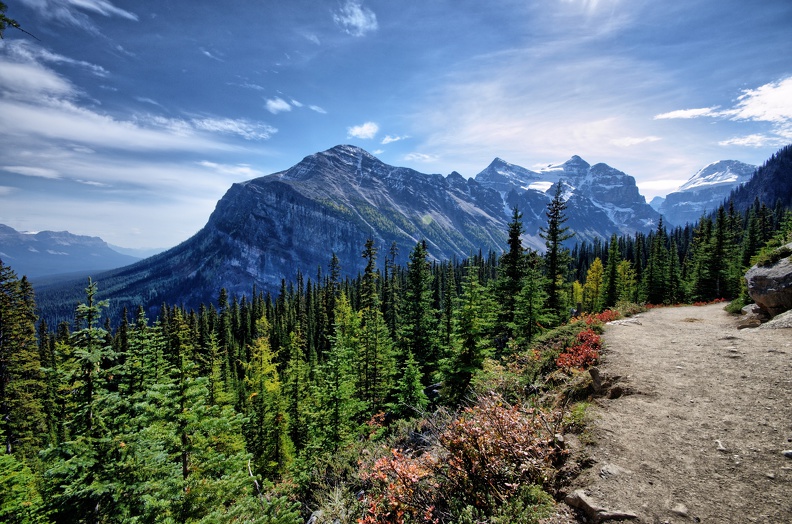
[{"x": 431, "y": 392}]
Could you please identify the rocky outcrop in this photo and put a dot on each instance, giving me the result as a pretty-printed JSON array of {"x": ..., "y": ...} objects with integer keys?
[{"x": 770, "y": 285}]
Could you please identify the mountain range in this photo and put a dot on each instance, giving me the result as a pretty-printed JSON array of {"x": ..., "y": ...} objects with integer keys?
[
  {"x": 57, "y": 252},
  {"x": 263, "y": 231}
]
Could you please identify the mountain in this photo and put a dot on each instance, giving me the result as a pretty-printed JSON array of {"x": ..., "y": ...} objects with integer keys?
[
  {"x": 265, "y": 230},
  {"x": 705, "y": 191},
  {"x": 600, "y": 200},
  {"x": 56, "y": 252},
  {"x": 771, "y": 184}
]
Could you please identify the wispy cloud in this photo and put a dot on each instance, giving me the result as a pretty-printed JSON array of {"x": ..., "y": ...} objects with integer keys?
[
  {"x": 420, "y": 157},
  {"x": 235, "y": 170},
  {"x": 24, "y": 51},
  {"x": 365, "y": 131},
  {"x": 39, "y": 172},
  {"x": 210, "y": 55},
  {"x": 770, "y": 103},
  {"x": 71, "y": 12},
  {"x": 689, "y": 113},
  {"x": 355, "y": 19},
  {"x": 241, "y": 127},
  {"x": 634, "y": 141},
  {"x": 317, "y": 109},
  {"x": 388, "y": 139},
  {"x": 277, "y": 105}
]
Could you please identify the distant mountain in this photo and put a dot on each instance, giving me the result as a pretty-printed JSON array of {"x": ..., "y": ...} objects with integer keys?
[
  {"x": 771, "y": 184},
  {"x": 705, "y": 191},
  {"x": 138, "y": 252},
  {"x": 57, "y": 252},
  {"x": 601, "y": 200},
  {"x": 264, "y": 230},
  {"x": 656, "y": 202}
]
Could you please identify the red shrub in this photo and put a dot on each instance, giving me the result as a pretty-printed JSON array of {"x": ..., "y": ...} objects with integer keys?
[{"x": 583, "y": 354}]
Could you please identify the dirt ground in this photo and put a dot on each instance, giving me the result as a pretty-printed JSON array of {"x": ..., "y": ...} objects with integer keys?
[{"x": 700, "y": 432}]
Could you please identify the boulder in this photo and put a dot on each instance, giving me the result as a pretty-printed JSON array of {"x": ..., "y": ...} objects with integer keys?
[
  {"x": 771, "y": 286},
  {"x": 753, "y": 316}
]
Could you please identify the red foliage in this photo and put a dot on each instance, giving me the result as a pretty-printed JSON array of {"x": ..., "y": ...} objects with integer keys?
[
  {"x": 599, "y": 318},
  {"x": 480, "y": 458},
  {"x": 583, "y": 353}
]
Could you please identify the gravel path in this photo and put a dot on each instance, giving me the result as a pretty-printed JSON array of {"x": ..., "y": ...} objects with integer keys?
[{"x": 701, "y": 433}]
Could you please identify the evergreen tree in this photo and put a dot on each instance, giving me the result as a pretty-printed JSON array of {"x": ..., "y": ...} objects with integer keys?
[
  {"x": 418, "y": 326},
  {"x": 511, "y": 272},
  {"x": 610, "y": 291},
  {"x": 593, "y": 288},
  {"x": 531, "y": 314},
  {"x": 473, "y": 322},
  {"x": 655, "y": 277},
  {"x": 556, "y": 256},
  {"x": 22, "y": 387}
]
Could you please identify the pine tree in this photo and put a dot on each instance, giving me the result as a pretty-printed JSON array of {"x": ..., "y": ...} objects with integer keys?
[
  {"x": 418, "y": 326},
  {"x": 556, "y": 256},
  {"x": 531, "y": 314},
  {"x": 511, "y": 272},
  {"x": 474, "y": 316},
  {"x": 22, "y": 387},
  {"x": 610, "y": 291},
  {"x": 655, "y": 277}
]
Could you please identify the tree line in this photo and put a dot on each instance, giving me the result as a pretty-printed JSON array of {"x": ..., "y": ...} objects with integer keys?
[{"x": 235, "y": 411}]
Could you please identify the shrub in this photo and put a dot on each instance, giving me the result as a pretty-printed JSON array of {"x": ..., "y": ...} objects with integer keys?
[{"x": 583, "y": 354}]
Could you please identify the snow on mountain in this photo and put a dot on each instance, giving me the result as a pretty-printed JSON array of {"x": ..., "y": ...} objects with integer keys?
[{"x": 704, "y": 191}]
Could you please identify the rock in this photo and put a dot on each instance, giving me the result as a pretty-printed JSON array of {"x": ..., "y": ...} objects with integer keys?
[
  {"x": 753, "y": 316},
  {"x": 721, "y": 447},
  {"x": 612, "y": 470},
  {"x": 771, "y": 286},
  {"x": 782, "y": 321},
  {"x": 597, "y": 514},
  {"x": 681, "y": 510},
  {"x": 788, "y": 453}
]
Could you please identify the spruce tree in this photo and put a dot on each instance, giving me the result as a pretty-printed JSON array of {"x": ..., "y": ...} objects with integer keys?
[
  {"x": 418, "y": 333},
  {"x": 556, "y": 256}
]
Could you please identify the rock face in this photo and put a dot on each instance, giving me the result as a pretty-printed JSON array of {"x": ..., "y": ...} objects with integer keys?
[
  {"x": 600, "y": 200},
  {"x": 771, "y": 286},
  {"x": 704, "y": 192}
]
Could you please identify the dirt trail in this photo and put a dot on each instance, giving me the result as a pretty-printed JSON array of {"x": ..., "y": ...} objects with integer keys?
[{"x": 701, "y": 433}]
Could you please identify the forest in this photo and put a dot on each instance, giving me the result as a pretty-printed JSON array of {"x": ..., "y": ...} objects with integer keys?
[{"x": 431, "y": 392}]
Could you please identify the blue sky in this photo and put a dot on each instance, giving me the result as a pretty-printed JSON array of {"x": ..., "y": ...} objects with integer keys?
[{"x": 129, "y": 120}]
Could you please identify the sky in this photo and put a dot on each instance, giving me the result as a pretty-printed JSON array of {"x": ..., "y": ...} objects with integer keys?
[{"x": 129, "y": 120}]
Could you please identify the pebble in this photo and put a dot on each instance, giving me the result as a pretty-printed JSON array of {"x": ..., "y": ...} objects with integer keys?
[{"x": 788, "y": 453}]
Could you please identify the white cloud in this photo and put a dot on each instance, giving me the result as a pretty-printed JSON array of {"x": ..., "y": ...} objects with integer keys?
[
  {"x": 244, "y": 128},
  {"x": 634, "y": 141},
  {"x": 93, "y": 183},
  {"x": 277, "y": 105},
  {"x": 32, "y": 81},
  {"x": 103, "y": 7},
  {"x": 40, "y": 172},
  {"x": 689, "y": 113},
  {"x": 663, "y": 185},
  {"x": 364, "y": 131},
  {"x": 26, "y": 52},
  {"x": 71, "y": 11},
  {"x": 210, "y": 55},
  {"x": 768, "y": 103},
  {"x": 355, "y": 19},
  {"x": 420, "y": 157},
  {"x": 754, "y": 140},
  {"x": 388, "y": 139},
  {"x": 5, "y": 190},
  {"x": 295, "y": 103},
  {"x": 317, "y": 109},
  {"x": 238, "y": 170}
]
